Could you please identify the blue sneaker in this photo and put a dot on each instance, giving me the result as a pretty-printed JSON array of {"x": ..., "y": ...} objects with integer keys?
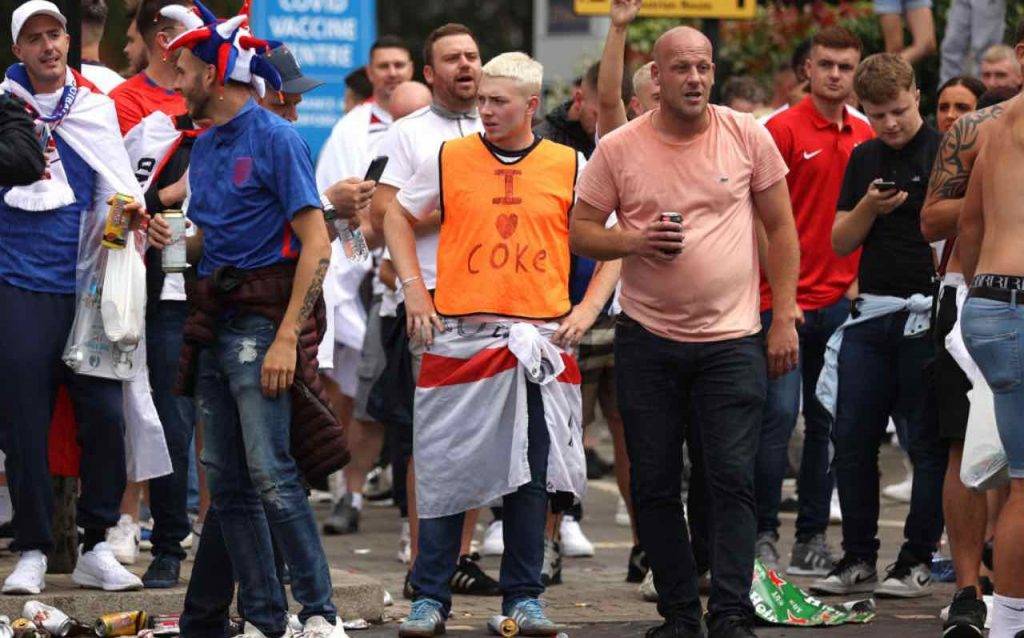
[
  {"x": 529, "y": 615},
  {"x": 424, "y": 621}
]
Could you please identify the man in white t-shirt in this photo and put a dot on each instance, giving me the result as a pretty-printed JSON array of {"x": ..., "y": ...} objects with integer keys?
[
  {"x": 94, "y": 18},
  {"x": 452, "y": 69},
  {"x": 345, "y": 157}
]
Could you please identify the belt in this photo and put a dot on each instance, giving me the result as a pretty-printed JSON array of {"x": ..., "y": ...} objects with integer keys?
[{"x": 1010, "y": 296}]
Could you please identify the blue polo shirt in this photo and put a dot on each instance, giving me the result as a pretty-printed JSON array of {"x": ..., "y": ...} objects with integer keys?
[{"x": 248, "y": 178}]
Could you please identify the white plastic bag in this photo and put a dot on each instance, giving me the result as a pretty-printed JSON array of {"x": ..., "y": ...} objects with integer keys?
[
  {"x": 123, "y": 304},
  {"x": 983, "y": 466}
]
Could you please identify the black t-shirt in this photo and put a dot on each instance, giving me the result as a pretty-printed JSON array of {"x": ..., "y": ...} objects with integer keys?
[{"x": 896, "y": 260}]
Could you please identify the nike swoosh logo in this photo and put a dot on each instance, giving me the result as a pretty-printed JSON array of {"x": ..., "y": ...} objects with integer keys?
[
  {"x": 923, "y": 580},
  {"x": 812, "y": 155}
]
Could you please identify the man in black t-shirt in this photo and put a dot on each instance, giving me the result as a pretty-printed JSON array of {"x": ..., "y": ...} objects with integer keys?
[{"x": 885, "y": 345}]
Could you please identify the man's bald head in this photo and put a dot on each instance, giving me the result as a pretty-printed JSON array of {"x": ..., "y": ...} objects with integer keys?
[
  {"x": 680, "y": 39},
  {"x": 408, "y": 97}
]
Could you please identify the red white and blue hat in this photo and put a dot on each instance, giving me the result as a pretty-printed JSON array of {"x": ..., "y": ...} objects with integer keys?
[{"x": 226, "y": 44}]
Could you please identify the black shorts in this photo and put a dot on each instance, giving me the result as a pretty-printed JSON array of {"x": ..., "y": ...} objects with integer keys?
[{"x": 948, "y": 385}]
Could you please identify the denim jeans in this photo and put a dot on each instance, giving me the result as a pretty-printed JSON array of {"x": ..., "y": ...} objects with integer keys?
[
  {"x": 211, "y": 587},
  {"x": 251, "y": 473},
  {"x": 718, "y": 388},
  {"x": 994, "y": 334},
  {"x": 34, "y": 327},
  {"x": 168, "y": 495},
  {"x": 972, "y": 26},
  {"x": 814, "y": 484},
  {"x": 882, "y": 375},
  {"x": 525, "y": 514}
]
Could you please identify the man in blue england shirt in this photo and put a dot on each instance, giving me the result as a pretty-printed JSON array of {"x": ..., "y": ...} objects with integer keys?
[
  {"x": 255, "y": 204},
  {"x": 40, "y": 229}
]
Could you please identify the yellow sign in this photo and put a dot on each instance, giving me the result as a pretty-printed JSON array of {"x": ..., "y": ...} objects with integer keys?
[{"x": 727, "y": 9}]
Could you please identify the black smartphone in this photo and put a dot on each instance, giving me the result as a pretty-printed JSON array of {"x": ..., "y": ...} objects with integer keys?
[
  {"x": 376, "y": 168},
  {"x": 885, "y": 186}
]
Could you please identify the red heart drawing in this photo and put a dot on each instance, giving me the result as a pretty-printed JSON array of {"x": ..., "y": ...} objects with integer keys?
[{"x": 506, "y": 225}]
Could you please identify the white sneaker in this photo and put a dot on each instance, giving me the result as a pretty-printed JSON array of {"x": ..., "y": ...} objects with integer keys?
[
  {"x": 621, "y": 514},
  {"x": 906, "y": 581},
  {"x": 835, "y": 512},
  {"x": 574, "y": 542},
  {"x": 494, "y": 539},
  {"x": 849, "y": 576},
  {"x": 647, "y": 590},
  {"x": 123, "y": 540},
  {"x": 29, "y": 575},
  {"x": 318, "y": 627},
  {"x": 900, "y": 491},
  {"x": 188, "y": 541},
  {"x": 99, "y": 569},
  {"x": 405, "y": 545}
]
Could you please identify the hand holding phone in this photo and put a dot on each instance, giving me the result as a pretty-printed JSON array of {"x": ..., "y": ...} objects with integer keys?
[{"x": 376, "y": 169}]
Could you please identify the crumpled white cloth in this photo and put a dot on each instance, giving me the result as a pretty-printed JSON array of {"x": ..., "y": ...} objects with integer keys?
[{"x": 540, "y": 358}]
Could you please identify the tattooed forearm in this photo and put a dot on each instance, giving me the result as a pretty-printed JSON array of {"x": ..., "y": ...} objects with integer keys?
[
  {"x": 312, "y": 294},
  {"x": 952, "y": 169}
]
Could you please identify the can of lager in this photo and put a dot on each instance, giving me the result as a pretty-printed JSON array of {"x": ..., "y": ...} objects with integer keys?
[
  {"x": 503, "y": 626},
  {"x": 24, "y": 628},
  {"x": 173, "y": 258},
  {"x": 125, "y": 623},
  {"x": 50, "y": 619},
  {"x": 675, "y": 218},
  {"x": 115, "y": 233}
]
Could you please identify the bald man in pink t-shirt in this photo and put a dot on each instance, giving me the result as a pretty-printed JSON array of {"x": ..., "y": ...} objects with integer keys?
[{"x": 689, "y": 346}]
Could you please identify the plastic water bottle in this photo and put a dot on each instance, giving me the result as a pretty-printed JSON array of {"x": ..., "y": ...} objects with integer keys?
[{"x": 352, "y": 241}]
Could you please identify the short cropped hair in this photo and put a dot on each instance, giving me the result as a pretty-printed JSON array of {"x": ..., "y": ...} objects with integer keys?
[
  {"x": 881, "y": 77},
  {"x": 1019, "y": 32},
  {"x": 517, "y": 66},
  {"x": 390, "y": 42},
  {"x": 743, "y": 87},
  {"x": 443, "y": 31},
  {"x": 998, "y": 53},
  {"x": 837, "y": 37},
  {"x": 359, "y": 83},
  {"x": 94, "y": 13},
  {"x": 995, "y": 96},
  {"x": 592, "y": 74},
  {"x": 148, "y": 20},
  {"x": 642, "y": 75}
]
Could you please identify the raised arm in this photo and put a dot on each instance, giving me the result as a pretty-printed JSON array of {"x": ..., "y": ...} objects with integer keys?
[
  {"x": 611, "y": 110},
  {"x": 950, "y": 174}
]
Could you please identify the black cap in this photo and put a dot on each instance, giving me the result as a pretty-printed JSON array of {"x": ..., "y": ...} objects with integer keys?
[{"x": 292, "y": 79}]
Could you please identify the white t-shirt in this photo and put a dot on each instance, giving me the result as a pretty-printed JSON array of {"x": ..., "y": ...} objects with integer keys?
[
  {"x": 104, "y": 79},
  {"x": 412, "y": 142}
]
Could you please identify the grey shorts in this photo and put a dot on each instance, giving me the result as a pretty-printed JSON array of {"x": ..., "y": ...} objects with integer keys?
[{"x": 371, "y": 362}]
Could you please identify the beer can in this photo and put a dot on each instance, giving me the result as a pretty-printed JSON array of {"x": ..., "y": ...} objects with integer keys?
[
  {"x": 166, "y": 625},
  {"x": 503, "y": 626},
  {"x": 173, "y": 258},
  {"x": 50, "y": 619},
  {"x": 115, "y": 233},
  {"x": 24, "y": 628},
  {"x": 125, "y": 623},
  {"x": 675, "y": 218}
]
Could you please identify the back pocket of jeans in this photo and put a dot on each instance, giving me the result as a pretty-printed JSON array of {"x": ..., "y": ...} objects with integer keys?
[{"x": 999, "y": 358}]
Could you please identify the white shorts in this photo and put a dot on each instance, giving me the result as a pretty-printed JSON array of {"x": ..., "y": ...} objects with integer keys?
[{"x": 346, "y": 365}]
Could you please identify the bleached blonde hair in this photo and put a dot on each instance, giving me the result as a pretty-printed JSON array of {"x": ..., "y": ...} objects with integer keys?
[
  {"x": 642, "y": 76},
  {"x": 517, "y": 66}
]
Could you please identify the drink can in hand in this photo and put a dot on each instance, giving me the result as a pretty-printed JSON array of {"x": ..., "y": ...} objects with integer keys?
[
  {"x": 173, "y": 257},
  {"x": 119, "y": 221}
]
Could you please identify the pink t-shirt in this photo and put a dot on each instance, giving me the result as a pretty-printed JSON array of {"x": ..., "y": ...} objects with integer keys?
[{"x": 710, "y": 291}]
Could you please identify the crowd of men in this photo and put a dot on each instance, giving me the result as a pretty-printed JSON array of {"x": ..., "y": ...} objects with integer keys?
[{"x": 702, "y": 276}]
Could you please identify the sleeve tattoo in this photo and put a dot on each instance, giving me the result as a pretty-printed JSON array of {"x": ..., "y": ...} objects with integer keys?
[
  {"x": 951, "y": 172},
  {"x": 312, "y": 294}
]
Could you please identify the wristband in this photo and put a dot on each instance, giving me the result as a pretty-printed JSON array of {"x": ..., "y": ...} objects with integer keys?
[{"x": 406, "y": 282}]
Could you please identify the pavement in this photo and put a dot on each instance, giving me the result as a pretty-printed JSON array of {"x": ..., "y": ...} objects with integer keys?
[{"x": 594, "y": 601}]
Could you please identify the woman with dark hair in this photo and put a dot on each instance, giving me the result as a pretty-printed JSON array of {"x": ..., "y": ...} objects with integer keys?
[{"x": 958, "y": 96}]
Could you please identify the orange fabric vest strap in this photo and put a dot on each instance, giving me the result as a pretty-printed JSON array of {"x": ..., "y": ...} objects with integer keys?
[{"x": 504, "y": 242}]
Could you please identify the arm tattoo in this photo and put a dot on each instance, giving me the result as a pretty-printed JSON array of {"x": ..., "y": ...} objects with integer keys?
[
  {"x": 951, "y": 171},
  {"x": 312, "y": 294}
]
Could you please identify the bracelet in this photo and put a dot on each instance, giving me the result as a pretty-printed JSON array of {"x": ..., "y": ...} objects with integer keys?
[{"x": 406, "y": 282}]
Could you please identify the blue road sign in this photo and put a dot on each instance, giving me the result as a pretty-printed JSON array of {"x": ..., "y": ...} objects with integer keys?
[{"x": 329, "y": 38}]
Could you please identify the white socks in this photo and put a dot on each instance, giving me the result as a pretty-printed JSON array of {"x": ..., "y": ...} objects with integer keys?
[
  {"x": 1007, "y": 616},
  {"x": 357, "y": 501}
]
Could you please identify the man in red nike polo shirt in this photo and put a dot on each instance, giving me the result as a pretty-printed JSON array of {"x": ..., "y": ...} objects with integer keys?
[{"x": 815, "y": 137}]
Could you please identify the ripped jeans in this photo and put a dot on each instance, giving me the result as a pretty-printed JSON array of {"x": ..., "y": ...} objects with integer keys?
[{"x": 254, "y": 482}]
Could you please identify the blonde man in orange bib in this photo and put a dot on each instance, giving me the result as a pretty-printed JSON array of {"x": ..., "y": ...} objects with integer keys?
[{"x": 497, "y": 409}]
